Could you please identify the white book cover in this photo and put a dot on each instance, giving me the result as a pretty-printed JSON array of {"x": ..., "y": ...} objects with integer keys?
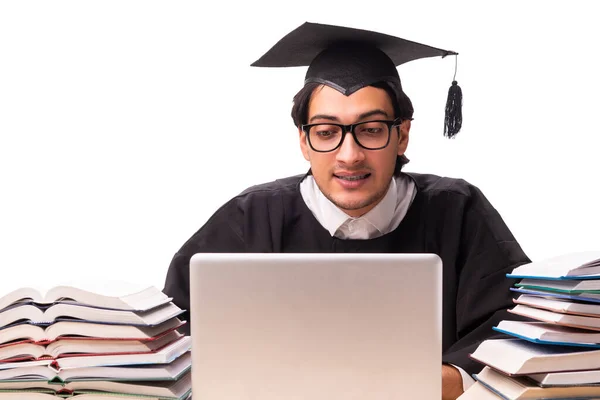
[
  {"x": 520, "y": 357},
  {"x": 566, "y": 265}
]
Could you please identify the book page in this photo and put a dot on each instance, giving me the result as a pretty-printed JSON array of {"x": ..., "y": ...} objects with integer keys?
[
  {"x": 558, "y": 265},
  {"x": 108, "y": 287},
  {"x": 43, "y": 284},
  {"x": 22, "y": 281}
]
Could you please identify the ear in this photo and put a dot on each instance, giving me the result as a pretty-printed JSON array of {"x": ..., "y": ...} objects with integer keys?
[
  {"x": 303, "y": 144},
  {"x": 403, "y": 138}
]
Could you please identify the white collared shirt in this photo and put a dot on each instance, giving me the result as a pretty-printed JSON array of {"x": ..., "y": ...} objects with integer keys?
[{"x": 380, "y": 220}]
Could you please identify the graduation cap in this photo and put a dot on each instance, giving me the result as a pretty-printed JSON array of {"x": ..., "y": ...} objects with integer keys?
[{"x": 349, "y": 59}]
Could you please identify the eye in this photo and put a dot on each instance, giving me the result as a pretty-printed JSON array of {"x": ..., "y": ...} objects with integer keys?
[
  {"x": 325, "y": 132},
  {"x": 372, "y": 129}
]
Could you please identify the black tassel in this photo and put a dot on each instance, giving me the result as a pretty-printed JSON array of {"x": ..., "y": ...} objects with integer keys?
[{"x": 453, "y": 120}]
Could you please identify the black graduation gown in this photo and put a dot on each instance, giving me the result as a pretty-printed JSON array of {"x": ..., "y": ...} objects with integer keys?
[{"x": 448, "y": 217}]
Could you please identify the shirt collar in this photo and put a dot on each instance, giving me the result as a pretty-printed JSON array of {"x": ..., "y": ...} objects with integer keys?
[
  {"x": 381, "y": 215},
  {"x": 332, "y": 218}
]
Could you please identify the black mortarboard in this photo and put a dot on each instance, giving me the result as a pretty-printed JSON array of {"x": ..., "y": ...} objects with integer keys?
[{"x": 349, "y": 59}]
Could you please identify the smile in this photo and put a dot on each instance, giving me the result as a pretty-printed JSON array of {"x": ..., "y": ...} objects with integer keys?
[{"x": 353, "y": 177}]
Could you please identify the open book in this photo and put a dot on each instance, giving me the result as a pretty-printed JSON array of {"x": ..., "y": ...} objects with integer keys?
[
  {"x": 77, "y": 348},
  {"x": 567, "y": 266},
  {"x": 26, "y": 332},
  {"x": 94, "y": 396},
  {"x": 61, "y": 311},
  {"x": 150, "y": 372},
  {"x": 164, "y": 355},
  {"x": 175, "y": 390},
  {"x": 107, "y": 295}
]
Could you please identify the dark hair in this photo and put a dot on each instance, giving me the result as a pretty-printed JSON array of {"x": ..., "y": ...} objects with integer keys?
[{"x": 402, "y": 105}]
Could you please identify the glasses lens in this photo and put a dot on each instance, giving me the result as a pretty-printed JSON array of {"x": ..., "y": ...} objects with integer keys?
[
  {"x": 324, "y": 137},
  {"x": 372, "y": 135}
]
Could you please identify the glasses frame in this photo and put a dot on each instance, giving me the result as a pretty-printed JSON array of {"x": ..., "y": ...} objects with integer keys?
[{"x": 350, "y": 128}]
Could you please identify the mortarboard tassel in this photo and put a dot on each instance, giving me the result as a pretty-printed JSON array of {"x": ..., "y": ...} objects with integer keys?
[{"x": 453, "y": 118}]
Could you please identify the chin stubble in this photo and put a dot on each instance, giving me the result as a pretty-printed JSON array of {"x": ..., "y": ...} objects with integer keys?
[{"x": 358, "y": 204}]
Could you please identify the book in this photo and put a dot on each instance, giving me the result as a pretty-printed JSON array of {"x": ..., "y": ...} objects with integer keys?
[
  {"x": 578, "y": 265},
  {"x": 175, "y": 390},
  {"x": 28, "y": 395},
  {"x": 520, "y": 357},
  {"x": 584, "y": 297},
  {"x": 541, "y": 332},
  {"x": 28, "y": 333},
  {"x": 110, "y": 295},
  {"x": 521, "y": 388},
  {"x": 476, "y": 391},
  {"x": 559, "y": 305},
  {"x": 571, "y": 286},
  {"x": 72, "y": 348},
  {"x": 572, "y": 378},
  {"x": 163, "y": 372},
  {"x": 71, "y": 312},
  {"x": 574, "y": 321},
  {"x": 164, "y": 355},
  {"x": 96, "y": 342}
]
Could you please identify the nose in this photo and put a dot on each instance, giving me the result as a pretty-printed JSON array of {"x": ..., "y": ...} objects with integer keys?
[{"x": 350, "y": 152}]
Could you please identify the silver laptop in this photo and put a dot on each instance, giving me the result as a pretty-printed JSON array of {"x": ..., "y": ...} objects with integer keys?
[{"x": 316, "y": 326}]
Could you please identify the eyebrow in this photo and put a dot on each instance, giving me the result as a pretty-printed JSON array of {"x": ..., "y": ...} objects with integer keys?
[{"x": 360, "y": 117}]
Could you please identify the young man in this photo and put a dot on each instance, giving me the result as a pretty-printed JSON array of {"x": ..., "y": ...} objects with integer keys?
[{"x": 353, "y": 122}]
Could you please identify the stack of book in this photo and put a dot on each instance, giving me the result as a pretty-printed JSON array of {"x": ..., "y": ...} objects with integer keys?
[
  {"x": 555, "y": 352},
  {"x": 75, "y": 343}
]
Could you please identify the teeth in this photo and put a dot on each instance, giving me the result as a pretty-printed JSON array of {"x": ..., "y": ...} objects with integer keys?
[{"x": 352, "y": 178}]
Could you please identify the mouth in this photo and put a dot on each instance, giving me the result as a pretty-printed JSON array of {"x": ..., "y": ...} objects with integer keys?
[
  {"x": 352, "y": 178},
  {"x": 352, "y": 181}
]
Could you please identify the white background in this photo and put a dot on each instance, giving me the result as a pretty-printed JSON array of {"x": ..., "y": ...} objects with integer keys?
[{"x": 125, "y": 124}]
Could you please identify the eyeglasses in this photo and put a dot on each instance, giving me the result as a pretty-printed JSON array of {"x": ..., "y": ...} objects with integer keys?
[{"x": 370, "y": 135}]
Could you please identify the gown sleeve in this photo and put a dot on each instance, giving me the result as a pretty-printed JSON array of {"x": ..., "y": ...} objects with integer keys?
[
  {"x": 487, "y": 252},
  {"x": 222, "y": 233}
]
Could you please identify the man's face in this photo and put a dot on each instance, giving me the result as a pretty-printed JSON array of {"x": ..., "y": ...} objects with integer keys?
[{"x": 351, "y": 177}]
